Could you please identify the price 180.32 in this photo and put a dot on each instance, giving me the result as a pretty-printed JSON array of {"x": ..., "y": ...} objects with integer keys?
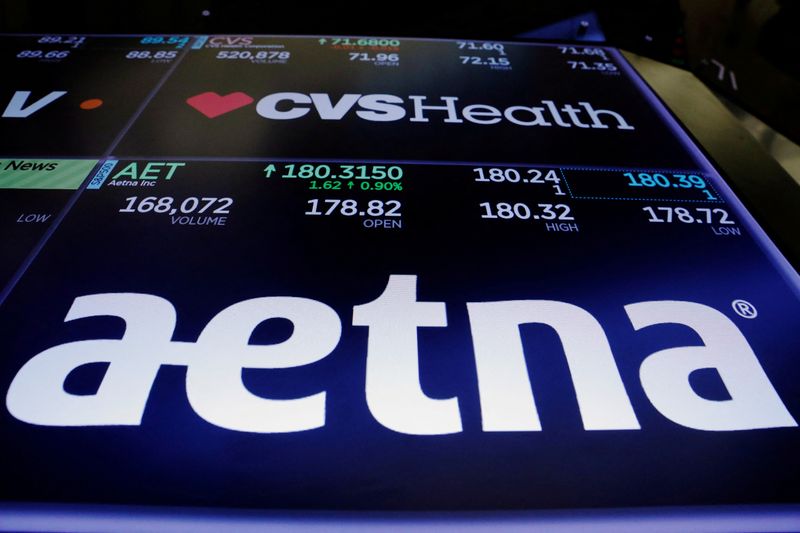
[{"x": 521, "y": 211}]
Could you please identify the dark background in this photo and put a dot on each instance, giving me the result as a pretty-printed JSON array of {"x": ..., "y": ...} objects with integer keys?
[
  {"x": 601, "y": 270},
  {"x": 175, "y": 458},
  {"x": 755, "y": 39},
  {"x": 409, "y": 18},
  {"x": 97, "y": 69},
  {"x": 170, "y": 128}
]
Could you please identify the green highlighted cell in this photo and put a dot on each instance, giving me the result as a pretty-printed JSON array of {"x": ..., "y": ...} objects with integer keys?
[{"x": 65, "y": 174}]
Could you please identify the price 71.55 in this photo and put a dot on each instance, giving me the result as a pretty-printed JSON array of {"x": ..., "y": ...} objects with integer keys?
[{"x": 606, "y": 66}]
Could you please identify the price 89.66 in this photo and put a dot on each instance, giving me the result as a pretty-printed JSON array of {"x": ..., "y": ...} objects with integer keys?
[{"x": 43, "y": 54}]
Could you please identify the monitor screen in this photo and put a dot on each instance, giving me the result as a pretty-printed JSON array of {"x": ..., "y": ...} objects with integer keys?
[{"x": 318, "y": 280}]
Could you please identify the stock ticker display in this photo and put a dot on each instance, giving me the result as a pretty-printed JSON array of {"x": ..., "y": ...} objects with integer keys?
[{"x": 377, "y": 274}]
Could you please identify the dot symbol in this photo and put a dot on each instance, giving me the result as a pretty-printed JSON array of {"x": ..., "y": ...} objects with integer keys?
[
  {"x": 361, "y": 213},
  {"x": 536, "y": 217},
  {"x": 172, "y": 212},
  {"x": 524, "y": 181},
  {"x": 674, "y": 184},
  {"x": 698, "y": 220},
  {"x": 91, "y": 103}
]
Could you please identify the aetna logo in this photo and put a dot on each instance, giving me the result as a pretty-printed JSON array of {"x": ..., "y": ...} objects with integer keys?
[
  {"x": 414, "y": 108},
  {"x": 393, "y": 391}
]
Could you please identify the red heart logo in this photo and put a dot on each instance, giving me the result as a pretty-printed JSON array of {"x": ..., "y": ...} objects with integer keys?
[{"x": 213, "y": 105}]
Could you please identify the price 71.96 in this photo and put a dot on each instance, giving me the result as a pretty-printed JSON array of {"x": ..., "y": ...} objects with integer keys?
[{"x": 380, "y": 57}]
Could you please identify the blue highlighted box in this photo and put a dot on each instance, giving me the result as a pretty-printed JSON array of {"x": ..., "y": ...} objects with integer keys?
[{"x": 101, "y": 175}]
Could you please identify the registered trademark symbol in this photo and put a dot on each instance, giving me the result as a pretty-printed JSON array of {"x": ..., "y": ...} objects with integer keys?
[{"x": 744, "y": 309}]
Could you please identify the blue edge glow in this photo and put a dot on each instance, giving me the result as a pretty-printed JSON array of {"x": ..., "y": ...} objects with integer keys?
[
  {"x": 86, "y": 518},
  {"x": 25, "y": 517}
]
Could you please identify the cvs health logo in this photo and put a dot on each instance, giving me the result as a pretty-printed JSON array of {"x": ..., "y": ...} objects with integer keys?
[
  {"x": 415, "y": 108},
  {"x": 230, "y": 41},
  {"x": 213, "y": 105}
]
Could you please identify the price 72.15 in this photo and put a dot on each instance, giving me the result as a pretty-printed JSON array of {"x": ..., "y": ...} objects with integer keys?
[{"x": 492, "y": 61}]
